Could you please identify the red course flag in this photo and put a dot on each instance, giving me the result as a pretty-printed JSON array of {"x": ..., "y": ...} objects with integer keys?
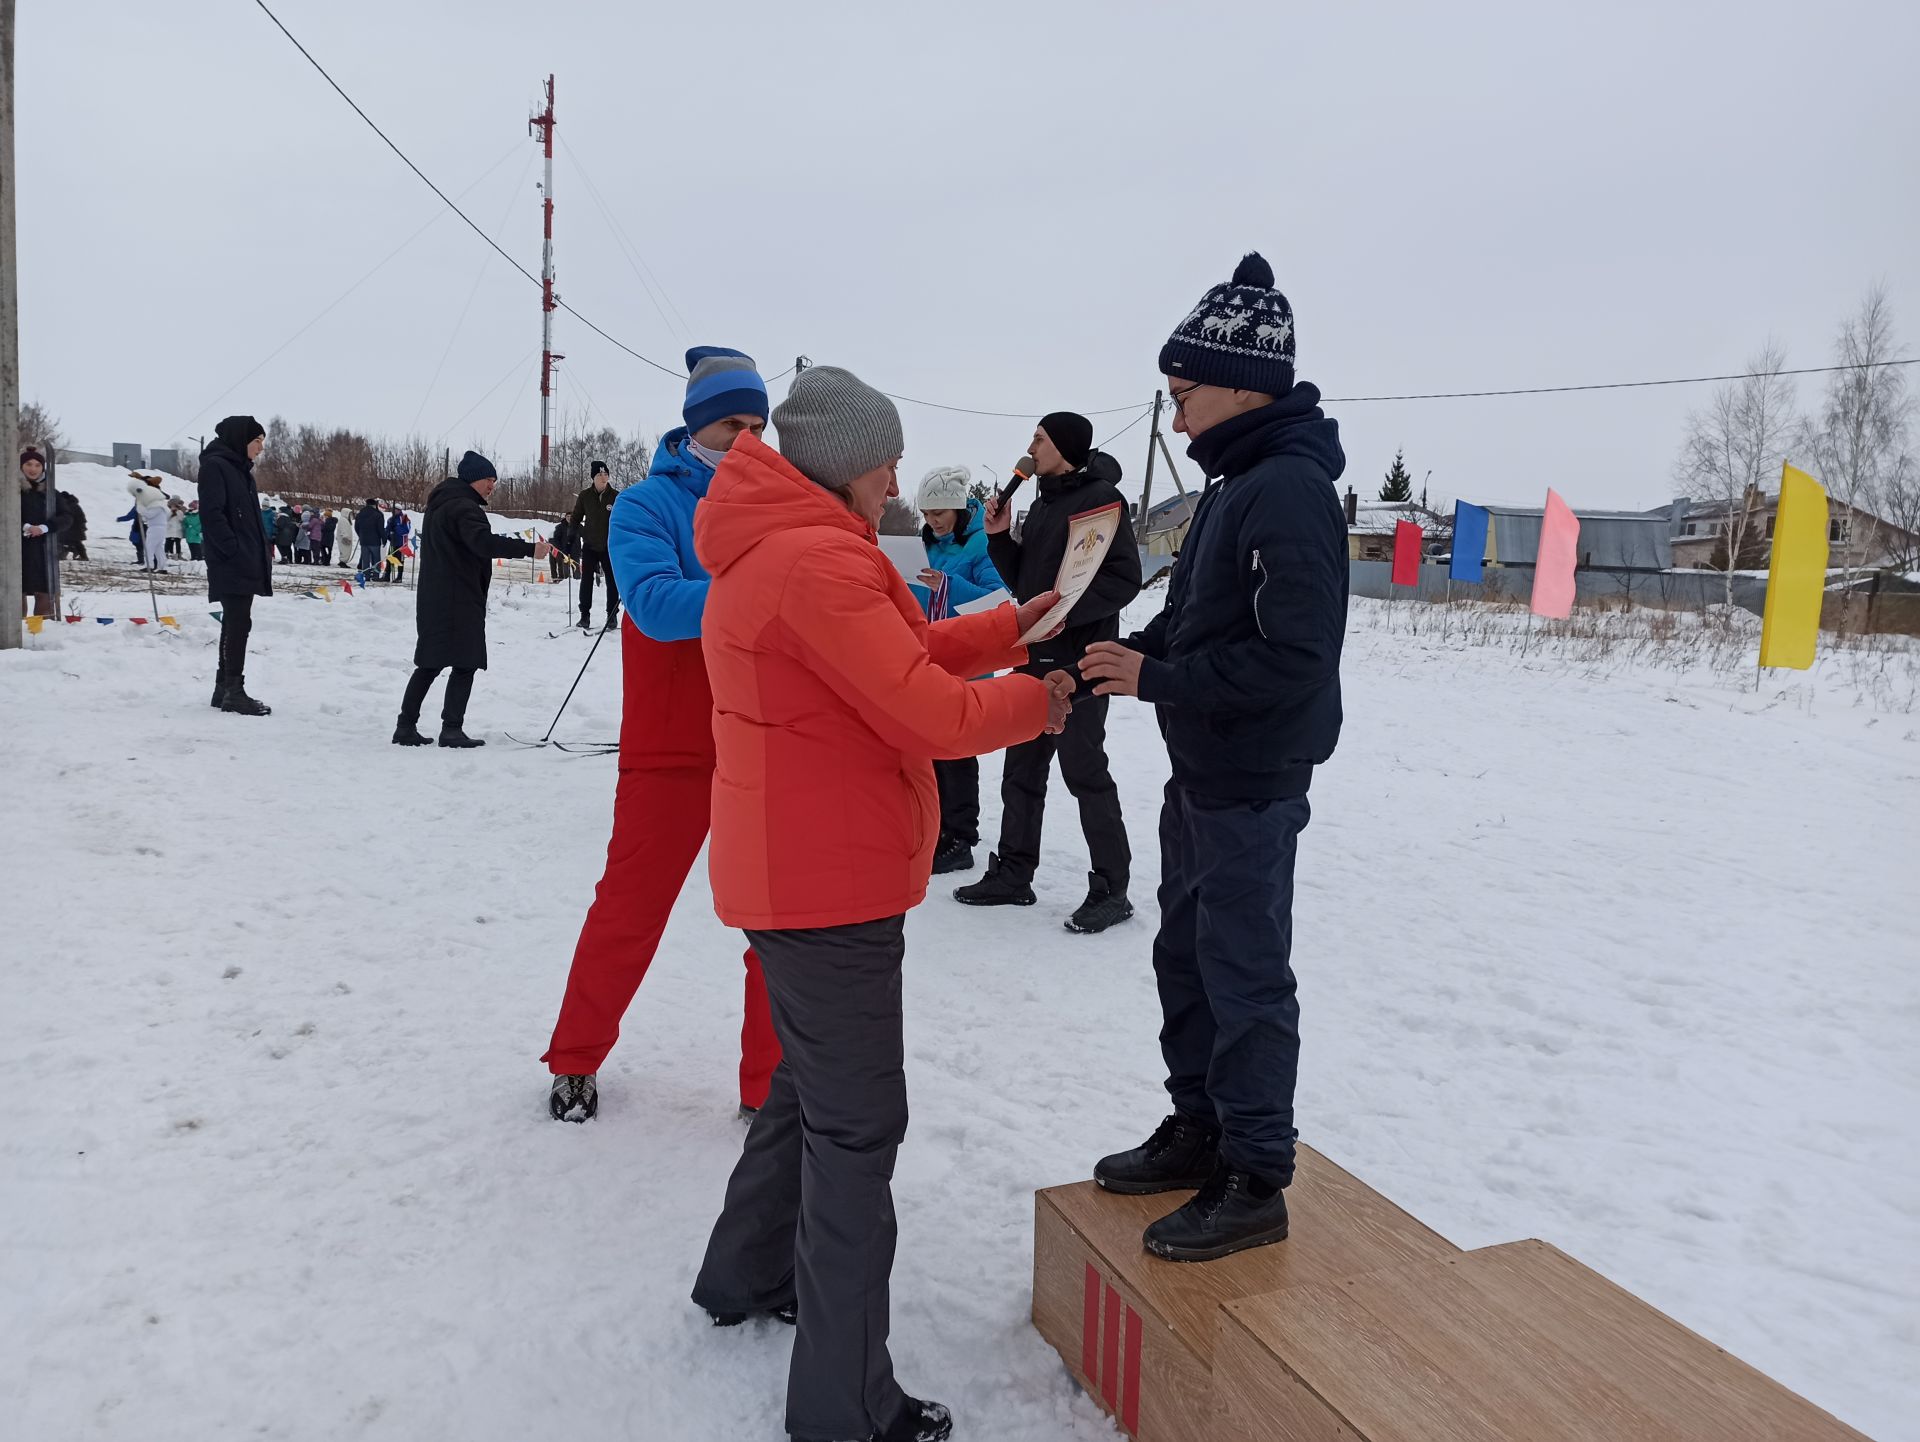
[{"x": 1406, "y": 553}]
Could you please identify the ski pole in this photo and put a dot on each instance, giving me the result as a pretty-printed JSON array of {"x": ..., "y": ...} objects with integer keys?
[{"x": 575, "y": 686}]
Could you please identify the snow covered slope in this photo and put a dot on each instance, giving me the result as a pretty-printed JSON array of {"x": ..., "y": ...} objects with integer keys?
[{"x": 1615, "y": 953}]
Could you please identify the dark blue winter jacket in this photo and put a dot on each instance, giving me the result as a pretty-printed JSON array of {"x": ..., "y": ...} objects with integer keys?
[
  {"x": 650, "y": 543},
  {"x": 1243, "y": 661}
]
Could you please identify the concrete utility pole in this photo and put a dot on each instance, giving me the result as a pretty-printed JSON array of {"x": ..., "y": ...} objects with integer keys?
[
  {"x": 541, "y": 128},
  {"x": 10, "y": 590},
  {"x": 1146, "y": 491}
]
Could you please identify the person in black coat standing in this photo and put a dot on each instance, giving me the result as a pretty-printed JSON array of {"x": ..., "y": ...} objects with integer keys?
[
  {"x": 370, "y": 529},
  {"x": 239, "y": 554},
  {"x": 457, "y": 552},
  {"x": 45, "y": 519},
  {"x": 590, "y": 514},
  {"x": 1070, "y": 478},
  {"x": 1242, "y": 666}
]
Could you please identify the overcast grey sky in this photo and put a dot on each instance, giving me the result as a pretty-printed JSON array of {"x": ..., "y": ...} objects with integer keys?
[{"x": 1004, "y": 206}]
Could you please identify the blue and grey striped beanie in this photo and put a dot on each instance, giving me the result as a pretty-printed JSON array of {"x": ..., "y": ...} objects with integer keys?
[{"x": 721, "y": 383}]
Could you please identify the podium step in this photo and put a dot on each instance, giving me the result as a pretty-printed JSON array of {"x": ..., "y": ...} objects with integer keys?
[
  {"x": 1139, "y": 1333},
  {"x": 1514, "y": 1343}
]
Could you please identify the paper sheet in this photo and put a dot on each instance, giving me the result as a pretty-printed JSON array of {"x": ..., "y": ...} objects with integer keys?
[{"x": 1088, "y": 536}]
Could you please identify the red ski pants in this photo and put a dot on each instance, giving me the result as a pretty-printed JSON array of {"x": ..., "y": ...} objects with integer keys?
[{"x": 661, "y": 812}]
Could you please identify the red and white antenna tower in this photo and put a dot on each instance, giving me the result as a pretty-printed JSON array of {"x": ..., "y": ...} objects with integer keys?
[{"x": 541, "y": 128}]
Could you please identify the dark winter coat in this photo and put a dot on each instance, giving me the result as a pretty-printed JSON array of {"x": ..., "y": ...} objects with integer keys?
[
  {"x": 1031, "y": 565},
  {"x": 590, "y": 515},
  {"x": 327, "y": 529},
  {"x": 370, "y": 526},
  {"x": 565, "y": 539},
  {"x": 457, "y": 552},
  {"x": 286, "y": 530},
  {"x": 77, "y": 533},
  {"x": 37, "y": 553},
  {"x": 238, "y": 554},
  {"x": 1243, "y": 661}
]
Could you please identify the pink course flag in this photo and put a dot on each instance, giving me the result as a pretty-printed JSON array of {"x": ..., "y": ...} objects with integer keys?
[{"x": 1559, "y": 553}]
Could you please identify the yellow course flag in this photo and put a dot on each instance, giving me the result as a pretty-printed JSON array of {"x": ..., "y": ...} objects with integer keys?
[
  {"x": 173, "y": 621},
  {"x": 34, "y": 623},
  {"x": 1797, "y": 578}
]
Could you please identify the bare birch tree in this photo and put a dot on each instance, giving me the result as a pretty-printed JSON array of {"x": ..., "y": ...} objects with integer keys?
[
  {"x": 1855, "y": 443},
  {"x": 1733, "y": 447}
]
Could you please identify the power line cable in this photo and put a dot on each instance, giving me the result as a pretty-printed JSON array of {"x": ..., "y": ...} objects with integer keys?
[
  {"x": 462, "y": 320},
  {"x": 1615, "y": 385},
  {"x": 489, "y": 395},
  {"x": 1144, "y": 411},
  {"x": 622, "y": 345},
  {"x": 333, "y": 304},
  {"x": 649, "y": 282},
  {"x": 1009, "y": 415}
]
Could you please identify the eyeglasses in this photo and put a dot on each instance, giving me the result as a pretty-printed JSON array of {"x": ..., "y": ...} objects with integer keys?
[{"x": 1179, "y": 398}]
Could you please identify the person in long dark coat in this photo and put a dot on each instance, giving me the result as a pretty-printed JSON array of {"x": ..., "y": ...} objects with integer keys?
[
  {"x": 457, "y": 552},
  {"x": 41, "y": 515},
  {"x": 239, "y": 554}
]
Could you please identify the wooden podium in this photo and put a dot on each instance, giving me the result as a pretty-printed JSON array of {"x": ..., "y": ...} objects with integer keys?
[{"x": 1367, "y": 1326}]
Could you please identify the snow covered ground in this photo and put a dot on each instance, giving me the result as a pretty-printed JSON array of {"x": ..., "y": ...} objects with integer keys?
[{"x": 1608, "y": 951}]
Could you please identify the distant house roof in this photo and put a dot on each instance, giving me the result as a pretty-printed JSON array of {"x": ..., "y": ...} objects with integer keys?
[
  {"x": 1171, "y": 513},
  {"x": 1619, "y": 540},
  {"x": 1378, "y": 518}
]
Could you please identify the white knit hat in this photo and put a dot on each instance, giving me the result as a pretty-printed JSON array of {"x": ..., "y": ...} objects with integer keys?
[{"x": 944, "y": 488}]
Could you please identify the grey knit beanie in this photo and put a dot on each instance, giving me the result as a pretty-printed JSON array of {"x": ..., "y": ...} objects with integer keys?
[{"x": 834, "y": 427}]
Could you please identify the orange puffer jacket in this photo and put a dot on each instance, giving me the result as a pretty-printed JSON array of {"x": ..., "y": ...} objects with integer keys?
[{"x": 832, "y": 697}]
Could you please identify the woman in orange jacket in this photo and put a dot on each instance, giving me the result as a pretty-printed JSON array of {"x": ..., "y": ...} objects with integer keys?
[{"x": 832, "y": 698}]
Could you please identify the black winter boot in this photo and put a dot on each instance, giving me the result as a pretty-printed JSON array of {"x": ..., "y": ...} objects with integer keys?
[
  {"x": 953, "y": 854},
  {"x": 921, "y": 1422},
  {"x": 573, "y": 1098},
  {"x": 240, "y": 703},
  {"x": 998, "y": 887},
  {"x": 1235, "y": 1210},
  {"x": 1102, "y": 908},
  {"x": 1182, "y": 1153},
  {"x": 455, "y": 737},
  {"x": 786, "y": 1312},
  {"x": 407, "y": 733},
  {"x": 219, "y": 690}
]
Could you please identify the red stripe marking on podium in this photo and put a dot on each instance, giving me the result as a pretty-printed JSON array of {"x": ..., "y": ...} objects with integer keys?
[
  {"x": 1090, "y": 1329},
  {"x": 1110, "y": 1350},
  {"x": 1130, "y": 1406}
]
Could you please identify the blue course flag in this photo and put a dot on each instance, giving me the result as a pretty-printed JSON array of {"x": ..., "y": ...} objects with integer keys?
[{"x": 1469, "y": 541}]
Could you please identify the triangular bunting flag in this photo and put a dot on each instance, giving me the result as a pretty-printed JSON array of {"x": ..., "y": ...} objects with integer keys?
[
  {"x": 170, "y": 621},
  {"x": 138, "y": 620},
  {"x": 34, "y": 623},
  {"x": 104, "y": 620}
]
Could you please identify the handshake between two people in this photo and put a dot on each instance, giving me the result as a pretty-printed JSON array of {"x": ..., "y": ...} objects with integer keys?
[
  {"x": 1059, "y": 684},
  {"x": 1112, "y": 669}
]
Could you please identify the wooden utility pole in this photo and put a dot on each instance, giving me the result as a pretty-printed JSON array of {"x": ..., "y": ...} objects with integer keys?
[{"x": 10, "y": 588}]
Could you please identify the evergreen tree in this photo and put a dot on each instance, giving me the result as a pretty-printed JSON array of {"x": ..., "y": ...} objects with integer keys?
[{"x": 1399, "y": 486}]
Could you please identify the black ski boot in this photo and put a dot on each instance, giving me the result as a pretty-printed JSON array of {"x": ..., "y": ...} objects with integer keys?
[
  {"x": 786, "y": 1312},
  {"x": 953, "y": 854},
  {"x": 921, "y": 1422},
  {"x": 613, "y": 621},
  {"x": 1235, "y": 1210},
  {"x": 586, "y": 623},
  {"x": 219, "y": 690},
  {"x": 407, "y": 733},
  {"x": 1101, "y": 909},
  {"x": 240, "y": 703},
  {"x": 1182, "y": 1153},
  {"x": 455, "y": 737},
  {"x": 573, "y": 1098},
  {"x": 998, "y": 887}
]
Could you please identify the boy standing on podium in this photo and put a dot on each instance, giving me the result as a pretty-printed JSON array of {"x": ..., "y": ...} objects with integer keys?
[{"x": 1243, "y": 666}]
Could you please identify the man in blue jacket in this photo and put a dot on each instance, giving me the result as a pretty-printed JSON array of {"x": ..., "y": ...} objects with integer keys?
[
  {"x": 1243, "y": 667},
  {"x": 665, "y": 791}
]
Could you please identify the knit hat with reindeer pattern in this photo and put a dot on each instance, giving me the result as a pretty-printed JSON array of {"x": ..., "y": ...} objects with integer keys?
[{"x": 1239, "y": 337}]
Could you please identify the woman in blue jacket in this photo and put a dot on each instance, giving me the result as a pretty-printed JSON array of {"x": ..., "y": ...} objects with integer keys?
[{"x": 956, "y": 556}]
